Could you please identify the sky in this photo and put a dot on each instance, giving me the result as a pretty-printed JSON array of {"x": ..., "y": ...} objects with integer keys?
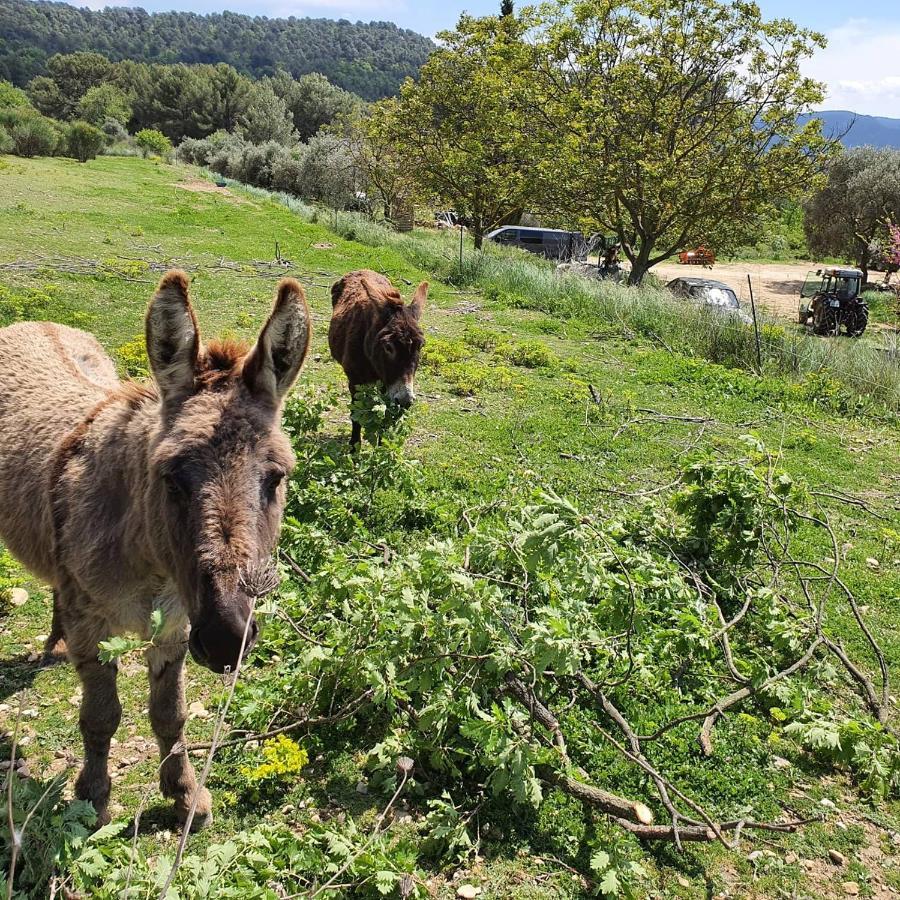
[{"x": 860, "y": 67}]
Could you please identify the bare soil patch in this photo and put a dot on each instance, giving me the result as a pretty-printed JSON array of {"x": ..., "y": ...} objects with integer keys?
[
  {"x": 776, "y": 286},
  {"x": 198, "y": 186}
]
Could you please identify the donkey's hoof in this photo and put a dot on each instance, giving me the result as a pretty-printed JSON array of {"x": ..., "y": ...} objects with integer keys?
[{"x": 202, "y": 814}]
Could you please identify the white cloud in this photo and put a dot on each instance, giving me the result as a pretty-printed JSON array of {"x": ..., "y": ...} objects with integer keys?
[{"x": 861, "y": 68}]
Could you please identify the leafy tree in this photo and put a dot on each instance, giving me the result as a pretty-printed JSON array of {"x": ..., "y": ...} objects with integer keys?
[
  {"x": 459, "y": 127},
  {"x": 46, "y": 96},
  {"x": 149, "y": 140},
  {"x": 506, "y": 8},
  {"x": 230, "y": 92},
  {"x": 103, "y": 102},
  {"x": 11, "y": 96},
  {"x": 327, "y": 172},
  {"x": 313, "y": 101},
  {"x": 382, "y": 167},
  {"x": 861, "y": 198},
  {"x": 670, "y": 124},
  {"x": 84, "y": 141},
  {"x": 74, "y": 74},
  {"x": 266, "y": 117}
]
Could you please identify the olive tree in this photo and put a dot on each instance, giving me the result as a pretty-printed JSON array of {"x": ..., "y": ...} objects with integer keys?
[
  {"x": 850, "y": 216},
  {"x": 669, "y": 124}
]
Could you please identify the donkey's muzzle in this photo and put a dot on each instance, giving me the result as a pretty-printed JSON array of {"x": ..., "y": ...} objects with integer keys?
[{"x": 216, "y": 640}]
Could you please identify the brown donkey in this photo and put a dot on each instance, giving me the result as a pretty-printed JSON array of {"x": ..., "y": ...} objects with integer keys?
[
  {"x": 128, "y": 498},
  {"x": 375, "y": 337}
]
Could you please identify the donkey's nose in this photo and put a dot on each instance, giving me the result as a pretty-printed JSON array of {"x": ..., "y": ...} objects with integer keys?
[
  {"x": 215, "y": 640},
  {"x": 402, "y": 393}
]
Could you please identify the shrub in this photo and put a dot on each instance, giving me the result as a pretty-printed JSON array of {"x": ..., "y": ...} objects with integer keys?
[
  {"x": 150, "y": 141},
  {"x": 33, "y": 135},
  {"x": 132, "y": 358},
  {"x": 255, "y": 165},
  {"x": 6, "y": 142},
  {"x": 12, "y": 97},
  {"x": 114, "y": 131},
  {"x": 287, "y": 171},
  {"x": 85, "y": 141},
  {"x": 528, "y": 354}
]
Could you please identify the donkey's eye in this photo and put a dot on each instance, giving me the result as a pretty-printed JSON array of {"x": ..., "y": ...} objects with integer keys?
[
  {"x": 390, "y": 351},
  {"x": 270, "y": 485},
  {"x": 178, "y": 483}
]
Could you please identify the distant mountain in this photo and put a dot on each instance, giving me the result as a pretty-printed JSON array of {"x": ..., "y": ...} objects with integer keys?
[
  {"x": 371, "y": 59},
  {"x": 858, "y": 131}
]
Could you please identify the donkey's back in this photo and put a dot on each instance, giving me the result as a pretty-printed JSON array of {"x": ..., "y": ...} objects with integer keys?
[{"x": 51, "y": 377}]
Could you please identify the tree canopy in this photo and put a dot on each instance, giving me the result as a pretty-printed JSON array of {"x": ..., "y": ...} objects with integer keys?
[
  {"x": 670, "y": 125},
  {"x": 459, "y": 126},
  {"x": 369, "y": 59},
  {"x": 853, "y": 212}
]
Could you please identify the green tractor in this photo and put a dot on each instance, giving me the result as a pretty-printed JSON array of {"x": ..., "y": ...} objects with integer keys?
[{"x": 830, "y": 300}]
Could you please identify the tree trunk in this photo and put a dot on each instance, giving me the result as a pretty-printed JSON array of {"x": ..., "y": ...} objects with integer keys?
[
  {"x": 478, "y": 235},
  {"x": 640, "y": 264}
]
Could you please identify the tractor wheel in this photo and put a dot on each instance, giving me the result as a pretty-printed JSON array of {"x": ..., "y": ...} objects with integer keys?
[
  {"x": 858, "y": 320},
  {"x": 824, "y": 320}
]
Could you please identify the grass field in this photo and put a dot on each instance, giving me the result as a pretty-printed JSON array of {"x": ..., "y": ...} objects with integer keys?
[{"x": 509, "y": 395}]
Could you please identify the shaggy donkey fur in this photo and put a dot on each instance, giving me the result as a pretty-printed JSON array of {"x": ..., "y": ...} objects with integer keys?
[
  {"x": 128, "y": 498},
  {"x": 374, "y": 336}
]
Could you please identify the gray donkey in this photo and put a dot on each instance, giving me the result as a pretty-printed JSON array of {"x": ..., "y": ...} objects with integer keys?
[{"x": 130, "y": 498}]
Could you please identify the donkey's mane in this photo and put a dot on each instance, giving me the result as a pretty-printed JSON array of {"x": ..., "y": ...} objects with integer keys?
[{"x": 222, "y": 361}]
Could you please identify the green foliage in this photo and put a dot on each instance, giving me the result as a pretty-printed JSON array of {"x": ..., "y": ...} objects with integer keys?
[
  {"x": 726, "y": 508},
  {"x": 266, "y": 117},
  {"x": 870, "y": 752},
  {"x": 282, "y": 760},
  {"x": 258, "y": 863},
  {"x": 458, "y": 128},
  {"x": 10, "y": 577},
  {"x": 32, "y": 135},
  {"x": 84, "y": 141},
  {"x": 781, "y": 237},
  {"x": 55, "y": 835},
  {"x": 856, "y": 206},
  {"x": 149, "y": 140},
  {"x": 11, "y": 96},
  {"x": 102, "y": 102},
  {"x": 639, "y": 65},
  {"x": 6, "y": 141},
  {"x": 114, "y": 648},
  {"x": 37, "y": 304},
  {"x": 369, "y": 59}
]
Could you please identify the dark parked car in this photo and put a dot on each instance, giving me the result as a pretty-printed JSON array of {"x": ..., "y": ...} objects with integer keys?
[
  {"x": 552, "y": 243},
  {"x": 714, "y": 294}
]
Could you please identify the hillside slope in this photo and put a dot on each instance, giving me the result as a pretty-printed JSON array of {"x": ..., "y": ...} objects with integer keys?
[
  {"x": 517, "y": 400},
  {"x": 369, "y": 59},
  {"x": 858, "y": 131}
]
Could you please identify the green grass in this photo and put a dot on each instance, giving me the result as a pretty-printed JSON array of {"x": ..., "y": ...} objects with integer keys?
[{"x": 589, "y": 389}]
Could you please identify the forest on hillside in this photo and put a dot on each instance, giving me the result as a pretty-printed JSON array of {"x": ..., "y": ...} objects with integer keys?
[{"x": 368, "y": 59}]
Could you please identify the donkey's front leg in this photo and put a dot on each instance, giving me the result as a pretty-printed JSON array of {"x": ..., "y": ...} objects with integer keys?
[
  {"x": 99, "y": 719},
  {"x": 168, "y": 713}
]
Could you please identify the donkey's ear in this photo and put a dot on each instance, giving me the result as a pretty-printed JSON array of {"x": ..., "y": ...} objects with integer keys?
[
  {"x": 418, "y": 300},
  {"x": 275, "y": 361},
  {"x": 173, "y": 338}
]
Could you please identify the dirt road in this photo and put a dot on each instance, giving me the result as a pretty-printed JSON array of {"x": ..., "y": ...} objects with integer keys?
[{"x": 776, "y": 286}]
